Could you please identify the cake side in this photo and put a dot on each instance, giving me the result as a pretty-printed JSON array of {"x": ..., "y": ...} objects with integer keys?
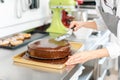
[{"x": 49, "y": 49}]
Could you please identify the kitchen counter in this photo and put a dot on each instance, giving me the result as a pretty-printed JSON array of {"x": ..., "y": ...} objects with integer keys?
[{"x": 11, "y": 71}]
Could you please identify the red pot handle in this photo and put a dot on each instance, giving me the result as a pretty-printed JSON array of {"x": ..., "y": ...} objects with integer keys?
[{"x": 80, "y": 2}]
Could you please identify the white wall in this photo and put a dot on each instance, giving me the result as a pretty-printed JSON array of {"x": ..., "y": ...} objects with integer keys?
[{"x": 10, "y": 23}]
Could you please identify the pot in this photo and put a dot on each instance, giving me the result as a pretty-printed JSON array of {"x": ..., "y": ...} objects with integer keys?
[{"x": 80, "y": 15}]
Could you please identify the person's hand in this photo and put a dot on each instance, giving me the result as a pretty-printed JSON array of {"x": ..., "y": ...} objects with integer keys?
[
  {"x": 81, "y": 57},
  {"x": 76, "y": 25},
  {"x": 84, "y": 56}
]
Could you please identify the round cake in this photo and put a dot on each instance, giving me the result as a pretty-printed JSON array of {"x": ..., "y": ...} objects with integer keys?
[{"x": 49, "y": 49}]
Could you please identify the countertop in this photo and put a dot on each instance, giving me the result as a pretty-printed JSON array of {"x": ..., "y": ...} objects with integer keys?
[{"x": 11, "y": 71}]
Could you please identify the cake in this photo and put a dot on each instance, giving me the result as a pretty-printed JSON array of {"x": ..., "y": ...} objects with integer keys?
[
  {"x": 49, "y": 49},
  {"x": 4, "y": 43},
  {"x": 19, "y": 37},
  {"x": 25, "y": 35},
  {"x": 16, "y": 42},
  {"x": 1, "y": 42}
]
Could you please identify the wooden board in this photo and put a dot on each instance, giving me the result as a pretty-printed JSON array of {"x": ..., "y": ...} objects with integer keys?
[
  {"x": 19, "y": 58},
  {"x": 22, "y": 58},
  {"x": 41, "y": 68}
]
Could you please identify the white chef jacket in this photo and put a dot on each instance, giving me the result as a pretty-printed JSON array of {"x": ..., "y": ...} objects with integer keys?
[{"x": 113, "y": 46}]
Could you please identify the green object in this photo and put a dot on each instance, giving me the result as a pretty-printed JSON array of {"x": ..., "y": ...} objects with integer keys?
[
  {"x": 57, "y": 6},
  {"x": 62, "y": 3},
  {"x": 30, "y": 30}
]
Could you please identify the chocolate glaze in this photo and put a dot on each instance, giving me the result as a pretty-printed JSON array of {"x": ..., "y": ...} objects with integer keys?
[
  {"x": 50, "y": 61},
  {"x": 49, "y": 49}
]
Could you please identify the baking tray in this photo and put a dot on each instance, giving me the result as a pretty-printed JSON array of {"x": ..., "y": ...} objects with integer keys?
[
  {"x": 40, "y": 68},
  {"x": 34, "y": 36},
  {"x": 25, "y": 60},
  {"x": 22, "y": 58}
]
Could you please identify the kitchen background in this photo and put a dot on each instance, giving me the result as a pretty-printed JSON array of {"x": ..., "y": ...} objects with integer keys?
[{"x": 23, "y": 15}]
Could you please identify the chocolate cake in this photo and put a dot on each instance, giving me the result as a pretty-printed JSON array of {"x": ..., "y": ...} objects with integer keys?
[{"x": 49, "y": 49}]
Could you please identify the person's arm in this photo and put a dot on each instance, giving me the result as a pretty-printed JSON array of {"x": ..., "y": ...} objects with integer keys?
[
  {"x": 86, "y": 56},
  {"x": 78, "y": 25}
]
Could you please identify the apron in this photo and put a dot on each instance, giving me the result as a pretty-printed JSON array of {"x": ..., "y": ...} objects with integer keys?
[{"x": 111, "y": 21}]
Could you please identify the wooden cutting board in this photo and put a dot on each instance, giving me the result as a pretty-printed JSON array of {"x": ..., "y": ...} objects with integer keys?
[{"x": 22, "y": 58}]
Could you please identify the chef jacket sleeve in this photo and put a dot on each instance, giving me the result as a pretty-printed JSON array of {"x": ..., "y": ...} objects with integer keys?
[
  {"x": 100, "y": 24},
  {"x": 113, "y": 46}
]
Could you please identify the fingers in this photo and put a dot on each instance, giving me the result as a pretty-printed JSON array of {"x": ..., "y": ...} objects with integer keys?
[
  {"x": 73, "y": 23},
  {"x": 75, "y": 59},
  {"x": 72, "y": 62},
  {"x": 76, "y": 24}
]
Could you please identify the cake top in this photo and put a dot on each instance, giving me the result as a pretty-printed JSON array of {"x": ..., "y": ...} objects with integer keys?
[{"x": 47, "y": 43}]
